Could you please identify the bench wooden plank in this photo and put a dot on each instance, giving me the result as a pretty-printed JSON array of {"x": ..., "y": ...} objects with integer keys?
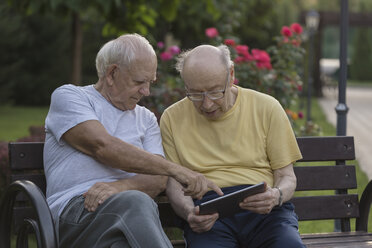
[
  {"x": 326, "y": 148},
  {"x": 325, "y": 177},
  {"x": 167, "y": 214},
  {"x": 341, "y": 239},
  {"x": 26, "y": 155},
  {"x": 326, "y": 207}
]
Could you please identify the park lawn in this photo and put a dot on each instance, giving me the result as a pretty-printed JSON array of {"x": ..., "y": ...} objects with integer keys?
[
  {"x": 328, "y": 129},
  {"x": 15, "y": 121}
]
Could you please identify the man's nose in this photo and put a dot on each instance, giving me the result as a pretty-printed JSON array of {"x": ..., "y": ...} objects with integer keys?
[
  {"x": 145, "y": 89},
  {"x": 207, "y": 103}
]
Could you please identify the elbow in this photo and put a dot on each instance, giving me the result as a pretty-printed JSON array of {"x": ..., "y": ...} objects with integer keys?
[
  {"x": 294, "y": 181},
  {"x": 99, "y": 150},
  {"x": 160, "y": 186}
]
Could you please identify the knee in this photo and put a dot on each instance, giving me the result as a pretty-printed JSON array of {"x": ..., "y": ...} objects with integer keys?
[
  {"x": 134, "y": 199},
  {"x": 289, "y": 239}
]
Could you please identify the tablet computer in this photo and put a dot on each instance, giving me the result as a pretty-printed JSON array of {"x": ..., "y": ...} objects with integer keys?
[{"x": 228, "y": 204}]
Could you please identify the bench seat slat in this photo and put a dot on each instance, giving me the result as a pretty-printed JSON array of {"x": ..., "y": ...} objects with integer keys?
[
  {"x": 325, "y": 177},
  {"x": 326, "y": 148},
  {"x": 167, "y": 214},
  {"x": 340, "y": 239},
  {"x": 326, "y": 207}
]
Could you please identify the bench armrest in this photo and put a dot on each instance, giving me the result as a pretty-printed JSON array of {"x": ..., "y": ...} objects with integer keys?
[
  {"x": 364, "y": 206},
  {"x": 38, "y": 202}
]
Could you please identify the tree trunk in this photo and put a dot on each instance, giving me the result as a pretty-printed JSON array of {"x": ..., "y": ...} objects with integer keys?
[{"x": 77, "y": 40}]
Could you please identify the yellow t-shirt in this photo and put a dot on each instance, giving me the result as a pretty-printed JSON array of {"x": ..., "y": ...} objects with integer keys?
[{"x": 243, "y": 146}]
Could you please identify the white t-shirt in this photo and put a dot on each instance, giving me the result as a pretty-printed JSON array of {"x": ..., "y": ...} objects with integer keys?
[{"x": 68, "y": 171}]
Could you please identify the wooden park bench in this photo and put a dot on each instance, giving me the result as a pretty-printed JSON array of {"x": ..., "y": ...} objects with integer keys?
[{"x": 23, "y": 207}]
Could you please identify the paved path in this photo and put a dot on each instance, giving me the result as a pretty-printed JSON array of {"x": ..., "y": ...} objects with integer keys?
[{"x": 359, "y": 120}]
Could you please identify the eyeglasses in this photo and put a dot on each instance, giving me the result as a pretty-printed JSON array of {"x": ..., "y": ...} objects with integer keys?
[{"x": 212, "y": 95}]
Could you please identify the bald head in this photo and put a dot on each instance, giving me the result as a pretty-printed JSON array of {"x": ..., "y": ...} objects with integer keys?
[{"x": 204, "y": 60}]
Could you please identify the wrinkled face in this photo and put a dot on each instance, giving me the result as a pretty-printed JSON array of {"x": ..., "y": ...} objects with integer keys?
[
  {"x": 129, "y": 85},
  {"x": 209, "y": 83}
]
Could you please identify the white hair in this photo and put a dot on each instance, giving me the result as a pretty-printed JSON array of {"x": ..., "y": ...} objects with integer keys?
[
  {"x": 121, "y": 51},
  {"x": 225, "y": 57}
]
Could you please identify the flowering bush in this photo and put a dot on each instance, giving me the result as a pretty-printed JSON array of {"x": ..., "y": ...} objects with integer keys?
[{"x": 274, "y": 71}]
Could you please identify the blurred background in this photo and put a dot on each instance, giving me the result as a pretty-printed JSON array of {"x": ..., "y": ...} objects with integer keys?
[{"x": 48, "y": 43}]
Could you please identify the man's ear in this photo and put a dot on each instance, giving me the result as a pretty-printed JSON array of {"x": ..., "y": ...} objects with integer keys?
[
  {"x": 110, "y": 71},
  {"x": 232, "y": 75}
]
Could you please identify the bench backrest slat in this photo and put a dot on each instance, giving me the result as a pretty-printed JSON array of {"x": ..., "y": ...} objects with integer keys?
[
  {"x": 26, "y": 155},
  {"x": 325, "y": 177},
  {"x": 327, "y": 148},
  {"x": 326, "y": 207}
]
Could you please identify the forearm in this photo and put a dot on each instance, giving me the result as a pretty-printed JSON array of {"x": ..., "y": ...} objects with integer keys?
[
  {"x": 149, "y": 184},
  {"x": 285, "y": 179},
  {"x": 181, "y": 204},
  {"x": 118, "y": 154}
]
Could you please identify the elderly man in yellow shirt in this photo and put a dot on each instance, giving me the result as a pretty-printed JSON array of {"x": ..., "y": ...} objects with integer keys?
[{"x": 236, "y": 137}]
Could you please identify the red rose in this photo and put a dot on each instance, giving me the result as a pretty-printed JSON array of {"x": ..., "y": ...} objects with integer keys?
[
  {"x": 174, "y": 50},
  {"x": 165, "y": 56},
  {"x": 211, "y": 32},
  {"x": 295, "y": 27},
  {"x": 241, "y": 49},
  {"x": 229, "y": 42},
  {"x": 286, "y": 31},
  {"x": 262, "y": 58}
]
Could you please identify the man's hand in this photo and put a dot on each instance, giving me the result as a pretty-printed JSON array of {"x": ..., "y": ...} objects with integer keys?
[
  {"x": 194, "y": 184},
  {"x": 98, "y": 193},
  {"x": 201, "y": 223},
  {"x": 261, "y": 203}
]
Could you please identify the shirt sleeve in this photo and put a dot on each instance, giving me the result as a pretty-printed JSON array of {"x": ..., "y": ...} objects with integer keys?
[
  {"x": 282, "y": 147},
  {"x": 69, "y": 106},
  {"x": 152, "y": 140},
  {"x": 168, "y": 141}
]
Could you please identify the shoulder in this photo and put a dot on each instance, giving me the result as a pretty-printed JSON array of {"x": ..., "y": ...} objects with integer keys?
[
  {"x": 69, "y": 90},
  {"x": 177, "y": 110},
  {"x": 260, "y": 103},
  {"x": 179, "y": 106},
  {"x": 144, "y": 112},
  {"x": 262, "y": 98}
]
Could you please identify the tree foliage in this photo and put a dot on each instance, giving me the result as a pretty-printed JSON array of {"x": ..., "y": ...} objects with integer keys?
[
  {"x": 361, "y": 60},
  {"x": 39, "y": 33}
]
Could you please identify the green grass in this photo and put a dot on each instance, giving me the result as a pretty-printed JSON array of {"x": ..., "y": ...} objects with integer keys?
[
  {"x": 328, "y": 129},
  {"x": 15, "y": 121}
]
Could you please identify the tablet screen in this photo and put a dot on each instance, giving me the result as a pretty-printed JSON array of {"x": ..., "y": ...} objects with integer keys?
[{"x": 228, "y": 204}]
